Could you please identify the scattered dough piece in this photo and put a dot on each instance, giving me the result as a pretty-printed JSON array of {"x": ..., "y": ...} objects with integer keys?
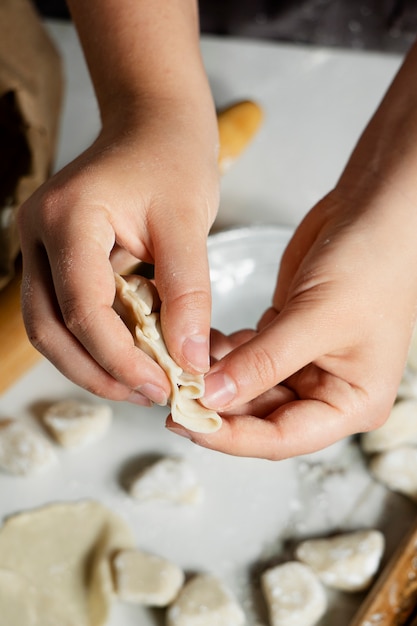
[
  {"x": 170, "y": 479},
  {"x": 347, "y": 562},
  {"x": 400, "y": 428},
  {"x": 134, "y": 301},
  {"x": 62, "y": 553},
  {"x": 397, "y": 469},
  {"x": 73, "y": 423},
  {"x": 294, "y": 595},
  {"x": 22, "y": 450},
  {"x": 146, "y": 579},
  {"x": 205, "y": 601}
]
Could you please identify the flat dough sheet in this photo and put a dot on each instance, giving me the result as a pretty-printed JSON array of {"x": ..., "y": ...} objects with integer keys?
[
  {"x": 134, "y": 302},
  {"x": 55, "y": 565}
]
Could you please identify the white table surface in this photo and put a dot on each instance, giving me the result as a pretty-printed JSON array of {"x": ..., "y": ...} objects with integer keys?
[{"x": 316, "y": 103}]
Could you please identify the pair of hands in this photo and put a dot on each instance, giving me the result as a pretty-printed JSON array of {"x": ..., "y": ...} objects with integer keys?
[{"x": 325, "y": 360}]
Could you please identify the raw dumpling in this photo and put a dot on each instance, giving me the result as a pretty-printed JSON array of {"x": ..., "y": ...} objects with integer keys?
[
  {"x": 146, "y": 579},
  {"x": 294, "y": 595},
  {"x": 347, "y": 562},
  {"x": 134, "y": 301}
]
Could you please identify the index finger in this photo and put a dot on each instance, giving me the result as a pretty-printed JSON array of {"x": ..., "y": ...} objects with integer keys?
[{"x": 84, "y": 285}]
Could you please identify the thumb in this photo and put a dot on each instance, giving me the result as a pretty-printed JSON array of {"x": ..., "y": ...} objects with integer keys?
[{"x": 291, "y": 341}]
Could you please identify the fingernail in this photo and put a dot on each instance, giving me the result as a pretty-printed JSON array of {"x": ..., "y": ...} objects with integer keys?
[
  {"x": 138, "y": 398},
  {"x": 154, "y": 393},
  {"x": 220, "y": 390},
  {"x": 179, "y": 431},
  {"x": 196, "y": 350}
]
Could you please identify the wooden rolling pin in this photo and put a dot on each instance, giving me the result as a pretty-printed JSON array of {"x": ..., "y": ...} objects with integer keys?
[
  {"x": 392, "y": 600},
  {"x": 17, "y": 354}
]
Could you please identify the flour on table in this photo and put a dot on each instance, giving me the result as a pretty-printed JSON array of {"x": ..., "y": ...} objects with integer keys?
[
  {"x": 348, "y": 561},
  {"x": 61, "y": 555},
  {"x": 294, "y": 595},
  {"x": 73, "y": 423},
  {"x": 171, "y": 479},
  {"x": 22, "y": 450},
  {"x": 146, "y": 579},
  {"x": 134, "y": 301},
  {"x": 205, "y": 601}
]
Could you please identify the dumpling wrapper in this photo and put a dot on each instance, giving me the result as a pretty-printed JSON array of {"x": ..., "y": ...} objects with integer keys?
[
  {"x": 134, "y": 301},
  {"x": 55, "y": 565}
]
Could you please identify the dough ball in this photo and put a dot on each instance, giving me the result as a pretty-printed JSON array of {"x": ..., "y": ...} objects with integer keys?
[
  {"x": 205, "y": 601},
  {"x": 73, "y": 423},
  {"x": 400, "y": 428},
  {"x": 22, "y": 450},
  {"x": 294, "y": 595},
  {"x": 397, "y": 469},
  {"x": 146, "y": 579},
  {"x": 169, "y": 479},
  {"x": 348, "y": 562}
]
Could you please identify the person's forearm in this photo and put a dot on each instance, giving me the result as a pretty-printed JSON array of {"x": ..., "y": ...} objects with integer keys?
[
  {"x": 140, "y": 51},
  {"x": 385, "y": 158}
]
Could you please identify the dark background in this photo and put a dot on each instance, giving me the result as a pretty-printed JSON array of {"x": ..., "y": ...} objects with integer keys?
[{"x": 384, "y": 25}]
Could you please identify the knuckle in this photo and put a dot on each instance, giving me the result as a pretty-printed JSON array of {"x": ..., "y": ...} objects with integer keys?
[
  {"x": 263, "y": 367},
  {"x": 77, "y": 318}
]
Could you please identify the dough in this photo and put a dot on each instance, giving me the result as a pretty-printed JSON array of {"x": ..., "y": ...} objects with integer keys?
[
  {"x": 294, "y": 595},
  {"x": 397, "y": 469},
  {"x": 73, "y": 423},
  {"x": 62, "y": 554},
  {"x": 22, "y": 450},
  {"x": 348, "y": 562},
  {"x": 400, "y": 428},
  {"x": 134, "y": 302},
  {"x": 146, "y": 579},
  {"x": 171, "y": 479},
  {"x": 18, "y": 601},
  {"x": 204, "y": 601}
]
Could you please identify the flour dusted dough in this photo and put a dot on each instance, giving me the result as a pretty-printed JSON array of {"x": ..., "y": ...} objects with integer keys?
[
  {"x": 134, "y": 302},
  {"x": 170, "y": 479},
  {"x": 60, "y": 555},
  {"x": 294, "y": 595},
  {"x": 348, "y": 561},
  {"x": 205, "y": 601},
  {"x": 73, "y": 423},
  {"x": 22, "y": 450},
  {"x": 146, "y": 579}
]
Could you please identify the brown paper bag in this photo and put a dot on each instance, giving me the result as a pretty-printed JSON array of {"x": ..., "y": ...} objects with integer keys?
[{"x": 30, "y": 103}]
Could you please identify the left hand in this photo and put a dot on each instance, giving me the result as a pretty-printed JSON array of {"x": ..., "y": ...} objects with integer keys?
[{"x": 328, "y": 356}]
